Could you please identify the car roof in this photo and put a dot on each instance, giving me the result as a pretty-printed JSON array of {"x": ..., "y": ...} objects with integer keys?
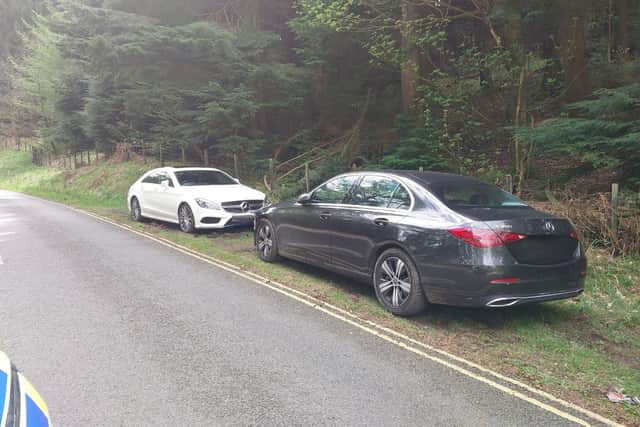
[
  {"x": 177, "y": 169},
  {"x": 426, "y": 178}
]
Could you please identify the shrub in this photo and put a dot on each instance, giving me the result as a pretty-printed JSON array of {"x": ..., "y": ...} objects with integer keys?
[{"x": 592, "y": 218}]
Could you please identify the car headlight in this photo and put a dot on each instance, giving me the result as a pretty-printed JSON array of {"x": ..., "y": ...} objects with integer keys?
[{"x": 208, "y": 204}]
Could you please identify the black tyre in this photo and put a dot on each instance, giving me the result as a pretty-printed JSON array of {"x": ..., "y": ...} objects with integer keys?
[
  {"x": 185, "y": 219},
  {"x": 266, "y": 241},
  {"x": 136, "y": 210},
  {"x": 397, "y": 284}
]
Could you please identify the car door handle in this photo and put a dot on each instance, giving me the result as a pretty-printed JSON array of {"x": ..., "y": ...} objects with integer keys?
[
  {"x": 381, "y": 221},
  {"x": 325, "y": 215}
]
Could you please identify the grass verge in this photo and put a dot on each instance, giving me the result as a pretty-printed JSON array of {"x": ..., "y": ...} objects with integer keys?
[{"x": 576, "y": 349}]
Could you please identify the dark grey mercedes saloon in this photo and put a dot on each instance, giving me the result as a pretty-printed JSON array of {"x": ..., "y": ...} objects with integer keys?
[{"x": 428, "y": 237}]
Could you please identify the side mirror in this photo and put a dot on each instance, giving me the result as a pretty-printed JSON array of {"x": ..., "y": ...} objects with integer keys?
[
  {"x": 237, "y": 180},
  {"x": 304, "y": 199},
  {"x": 165, "y": 183}
]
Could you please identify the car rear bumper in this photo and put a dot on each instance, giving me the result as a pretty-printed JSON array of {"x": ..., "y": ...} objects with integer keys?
[
  {"x": 471, "y": 286},
  {"x": 510, "y": 301}
]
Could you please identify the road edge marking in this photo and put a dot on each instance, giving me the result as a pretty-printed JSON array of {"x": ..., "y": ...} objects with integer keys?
[{"x": 368, "y": 326}]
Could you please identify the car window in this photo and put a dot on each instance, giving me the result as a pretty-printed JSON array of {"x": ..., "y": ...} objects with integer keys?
[
  {"x": 400, "y": 199},
  {"x": 194, "y": 178},
  {"x": 472, "y": 194},
  {"x": 334, "y": 191},
  {"x": 163, "y": 176},
  {"x": 381, "y": 192},
  {"x": 152, "y": 178}
]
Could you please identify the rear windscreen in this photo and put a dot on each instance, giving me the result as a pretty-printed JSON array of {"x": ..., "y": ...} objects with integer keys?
[{"x": 474, "y": 194}]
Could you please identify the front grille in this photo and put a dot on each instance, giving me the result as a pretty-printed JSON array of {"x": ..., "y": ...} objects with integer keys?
[
  {"x": 236, "y": 207},
  {"x": 544, "y": 250}
]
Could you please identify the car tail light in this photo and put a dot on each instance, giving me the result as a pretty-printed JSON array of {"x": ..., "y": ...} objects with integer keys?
[
  {"x": 574, "y": 235},
  {"x": 485, "y": 238}
]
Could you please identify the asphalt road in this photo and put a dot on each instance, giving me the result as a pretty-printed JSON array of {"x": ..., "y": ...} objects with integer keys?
[{"x": 117, "y": 330}]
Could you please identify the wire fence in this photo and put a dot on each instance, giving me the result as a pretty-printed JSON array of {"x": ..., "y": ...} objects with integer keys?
[
  {"x": 144, "y": 153},
  {"x": 149, "y": 153}
]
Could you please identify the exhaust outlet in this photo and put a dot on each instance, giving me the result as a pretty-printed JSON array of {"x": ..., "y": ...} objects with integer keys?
[{"x": 503, "y": 302}]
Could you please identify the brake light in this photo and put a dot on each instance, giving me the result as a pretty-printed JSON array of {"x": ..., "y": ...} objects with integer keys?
[
  {"x": 574, "y": 235},
  {"x": 485, "y": 238}
]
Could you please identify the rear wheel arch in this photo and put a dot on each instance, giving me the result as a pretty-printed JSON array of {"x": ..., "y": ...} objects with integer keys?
[
  {"x": 405, "y": 302},
  {"x": 380, "y": 249}
]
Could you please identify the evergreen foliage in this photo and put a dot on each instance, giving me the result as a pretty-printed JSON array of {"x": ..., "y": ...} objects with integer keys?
[
  {"x": 603, "y": 131},
  {"x": 480, "y": 87}
]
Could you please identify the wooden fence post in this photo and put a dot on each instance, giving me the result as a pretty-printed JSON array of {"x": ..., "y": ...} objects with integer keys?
[
  {"x": 614, "y": 207},
  {"x": 508, "y": 183},
  {"x": 306, "y": 175}
]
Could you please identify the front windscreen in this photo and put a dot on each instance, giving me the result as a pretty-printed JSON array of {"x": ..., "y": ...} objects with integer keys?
[
  {"x": 203, "y": 177},
  {"x": 473, "y": 194}
]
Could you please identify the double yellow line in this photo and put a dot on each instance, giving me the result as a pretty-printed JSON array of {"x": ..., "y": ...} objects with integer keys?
[{"x": 578, "y": 415}]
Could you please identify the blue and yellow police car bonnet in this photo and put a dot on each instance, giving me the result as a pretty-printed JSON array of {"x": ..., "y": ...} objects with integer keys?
[{"x": 20, "y": 403}]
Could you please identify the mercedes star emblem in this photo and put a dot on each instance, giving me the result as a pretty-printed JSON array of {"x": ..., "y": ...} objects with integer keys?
[{"x": 549, "y": 227}]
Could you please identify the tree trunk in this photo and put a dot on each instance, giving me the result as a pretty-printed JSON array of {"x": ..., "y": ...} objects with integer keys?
[
  {"x": 250, "y": 14},
  {"x": 621, "y": 27},
  {"x": 260, "y": 121},
  {"x": 409, "y": 72},
  {"x": 572, "y": 36}
]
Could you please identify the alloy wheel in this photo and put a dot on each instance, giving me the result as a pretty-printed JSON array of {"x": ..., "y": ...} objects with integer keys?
[
  {"x": 265, "y": 240},
  {"x": 185, "y": 217},
  {"x": 136, "y": 212},
  {"x": 394, "y": 283}
]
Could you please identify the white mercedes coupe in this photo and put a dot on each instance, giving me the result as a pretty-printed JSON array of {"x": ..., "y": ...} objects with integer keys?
[{"x": 194, "y": 198}]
